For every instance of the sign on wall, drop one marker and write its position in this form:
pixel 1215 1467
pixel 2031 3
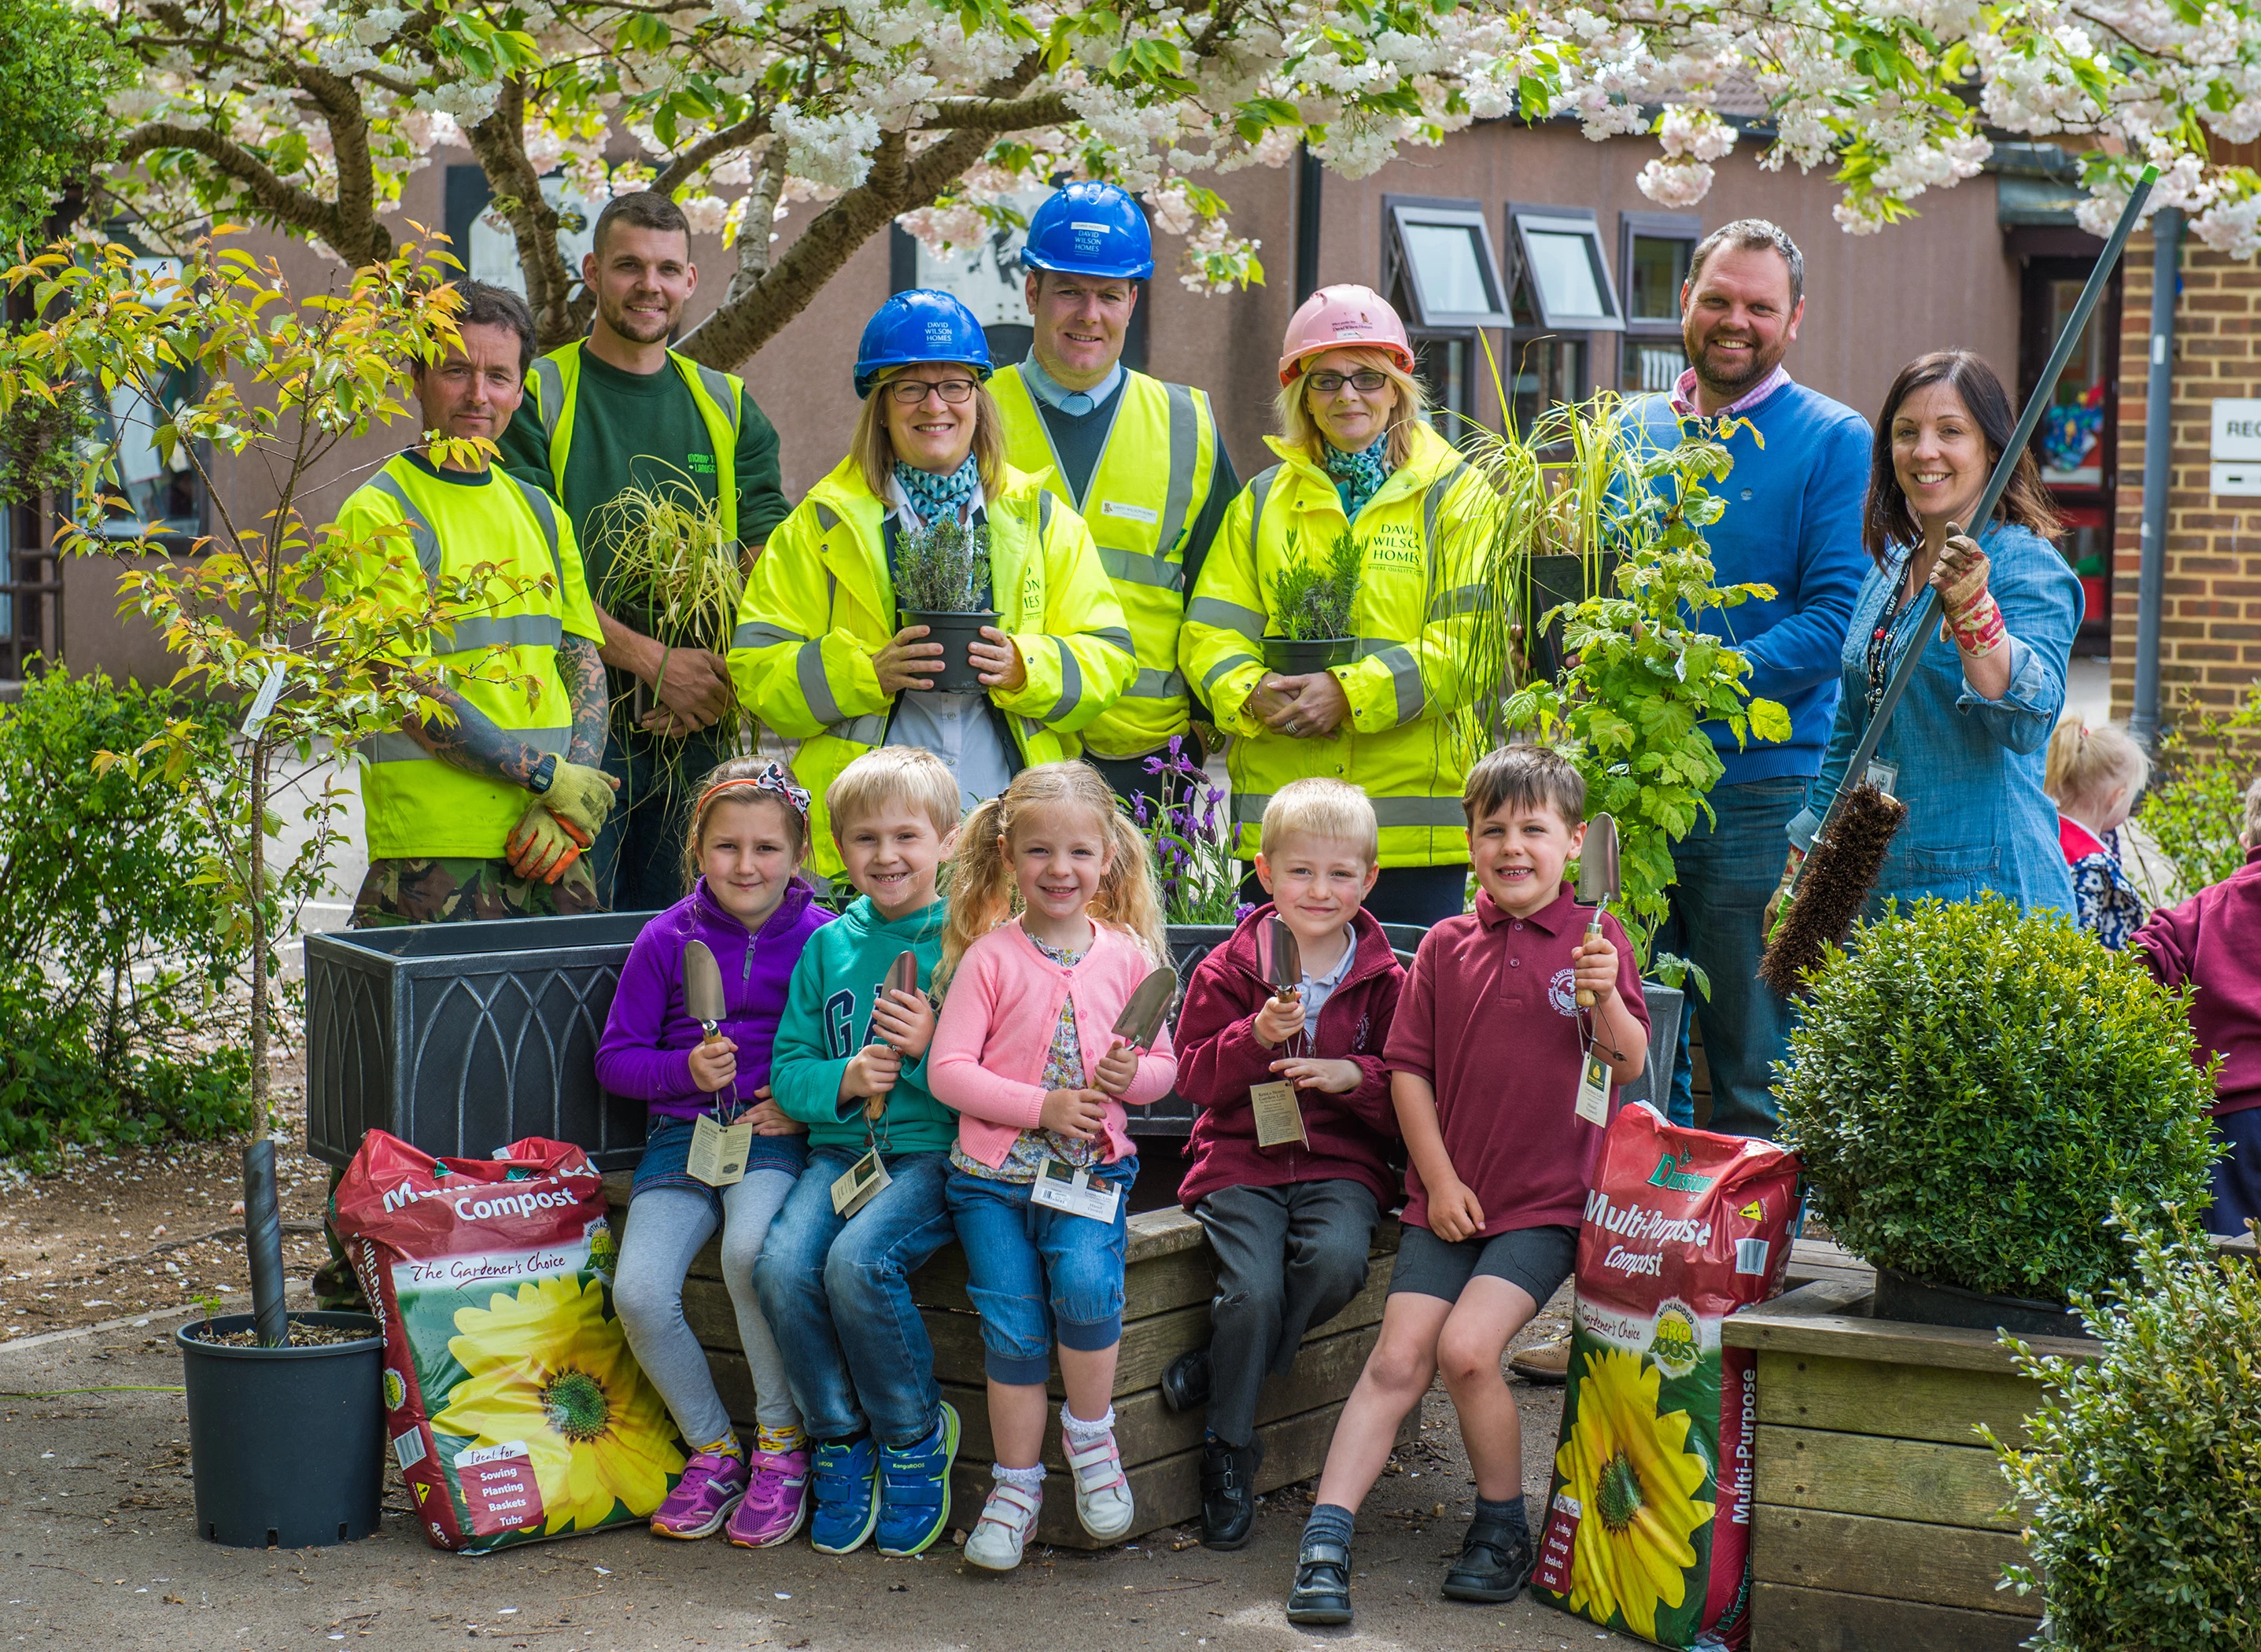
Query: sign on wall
pixel 2237 448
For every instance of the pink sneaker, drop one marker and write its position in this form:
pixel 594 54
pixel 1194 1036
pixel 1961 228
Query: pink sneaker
pixel 776 1501
pixel 711 1487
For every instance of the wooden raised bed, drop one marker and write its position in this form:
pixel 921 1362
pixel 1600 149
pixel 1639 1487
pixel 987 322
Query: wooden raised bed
pixel 1877 1522
pixel 1169 1277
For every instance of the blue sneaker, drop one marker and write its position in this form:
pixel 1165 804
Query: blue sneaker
pixel 914 1500
pixel 847 1495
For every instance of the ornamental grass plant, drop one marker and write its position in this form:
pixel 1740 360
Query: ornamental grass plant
pixel 1972 1087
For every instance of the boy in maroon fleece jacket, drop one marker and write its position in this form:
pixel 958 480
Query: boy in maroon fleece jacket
pixel 2212 941
pixel 1291 1222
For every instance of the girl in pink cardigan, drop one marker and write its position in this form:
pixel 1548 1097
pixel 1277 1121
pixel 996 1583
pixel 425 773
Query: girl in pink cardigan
pixel 1025 1054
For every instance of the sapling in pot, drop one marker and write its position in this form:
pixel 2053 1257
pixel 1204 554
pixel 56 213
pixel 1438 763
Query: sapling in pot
pixel 1312 604
pixel 942 582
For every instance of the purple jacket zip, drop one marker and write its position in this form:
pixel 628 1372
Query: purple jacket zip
pixel 648 1035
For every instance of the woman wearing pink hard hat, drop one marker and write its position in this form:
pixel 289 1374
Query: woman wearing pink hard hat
pixel 1356 457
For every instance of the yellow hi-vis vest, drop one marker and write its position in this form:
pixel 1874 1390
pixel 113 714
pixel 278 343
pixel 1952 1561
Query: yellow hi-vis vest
pixel 1427 536
pixel 417 806
pixel 820 606
pixel 1149 488
pixel 555 383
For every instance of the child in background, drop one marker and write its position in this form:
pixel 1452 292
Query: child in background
pixel 749 904
pixel 2213 942
pixel 1026 1055
pixel 1486 1060
pixel 2096 775
pixel 835 1285
pixel 1291 1224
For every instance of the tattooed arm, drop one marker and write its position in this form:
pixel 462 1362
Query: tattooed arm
pixel 582 669
pixel 470 741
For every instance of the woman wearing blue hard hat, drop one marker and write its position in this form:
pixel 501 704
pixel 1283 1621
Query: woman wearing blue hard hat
pixel 821 651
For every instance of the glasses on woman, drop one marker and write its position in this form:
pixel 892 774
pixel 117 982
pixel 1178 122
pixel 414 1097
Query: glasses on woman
pixel 1365 381
pixel 911 391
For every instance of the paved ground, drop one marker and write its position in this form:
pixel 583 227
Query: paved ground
pixel 96 1523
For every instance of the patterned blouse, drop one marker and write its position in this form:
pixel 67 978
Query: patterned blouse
pixel 2103 902
pixel 1063 1071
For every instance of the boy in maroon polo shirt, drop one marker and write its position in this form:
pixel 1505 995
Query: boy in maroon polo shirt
pixel 1485 1059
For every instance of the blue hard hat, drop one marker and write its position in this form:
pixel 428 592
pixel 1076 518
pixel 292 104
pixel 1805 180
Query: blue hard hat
pixel 919 326
pixel 1090 229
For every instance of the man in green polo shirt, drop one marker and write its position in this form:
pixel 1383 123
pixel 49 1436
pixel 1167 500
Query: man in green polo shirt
pixel 616 410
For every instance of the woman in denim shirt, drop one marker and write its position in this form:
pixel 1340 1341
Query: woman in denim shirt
pixel 1968 738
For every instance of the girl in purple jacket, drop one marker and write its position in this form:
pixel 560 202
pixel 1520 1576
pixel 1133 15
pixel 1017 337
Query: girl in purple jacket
pixel 755 911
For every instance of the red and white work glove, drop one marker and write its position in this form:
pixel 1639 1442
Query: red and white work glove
pixel 1973 619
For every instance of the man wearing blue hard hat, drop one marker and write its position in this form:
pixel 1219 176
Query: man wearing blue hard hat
pixel 1139 458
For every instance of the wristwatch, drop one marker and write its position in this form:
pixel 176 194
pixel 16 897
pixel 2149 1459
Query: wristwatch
pixel 544 772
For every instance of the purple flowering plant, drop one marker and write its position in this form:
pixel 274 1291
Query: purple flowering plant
pixel 1190 839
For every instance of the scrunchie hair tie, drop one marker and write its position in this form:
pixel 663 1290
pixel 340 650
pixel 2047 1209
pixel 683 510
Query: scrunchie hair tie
pixel 771 779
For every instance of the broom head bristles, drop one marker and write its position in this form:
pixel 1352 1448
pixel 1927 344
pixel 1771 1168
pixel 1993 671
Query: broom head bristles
pixel 1833 888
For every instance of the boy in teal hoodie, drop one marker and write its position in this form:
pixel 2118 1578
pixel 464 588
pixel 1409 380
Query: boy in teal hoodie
pixel 850 1062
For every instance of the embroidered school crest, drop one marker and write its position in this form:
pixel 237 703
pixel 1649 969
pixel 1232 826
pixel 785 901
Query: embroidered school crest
pixel 1562 992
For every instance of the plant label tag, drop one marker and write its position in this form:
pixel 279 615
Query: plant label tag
pixel 1593 1103
pixel 1885 777
pixel 859 1184
pixel 1279 1115
pixel 718 1152
pixel 262 705
pixel 1058 1187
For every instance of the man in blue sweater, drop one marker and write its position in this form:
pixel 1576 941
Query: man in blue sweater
pixel 1792 521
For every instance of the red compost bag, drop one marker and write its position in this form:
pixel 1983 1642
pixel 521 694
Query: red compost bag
pixel 514 1408
pixel 1647 1527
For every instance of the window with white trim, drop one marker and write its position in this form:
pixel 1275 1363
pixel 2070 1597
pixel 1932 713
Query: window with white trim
pixel 1440 274
pixel 1653 250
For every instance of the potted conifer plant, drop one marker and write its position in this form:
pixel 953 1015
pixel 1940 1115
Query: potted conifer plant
pixel 1312 604
pixel 942 582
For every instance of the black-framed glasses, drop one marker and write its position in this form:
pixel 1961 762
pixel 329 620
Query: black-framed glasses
pixel 1365 381
pixel 911 391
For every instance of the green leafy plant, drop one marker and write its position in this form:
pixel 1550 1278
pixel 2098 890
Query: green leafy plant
pixel 1191 841
pixel 1973 1087
pixel 942 568
pixel 2143 1480
pixel 59 65
pixel 41 444
pixel 2196 803
pixel 1311 601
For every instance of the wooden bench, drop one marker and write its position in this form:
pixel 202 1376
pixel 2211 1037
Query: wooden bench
pixel 1169 1277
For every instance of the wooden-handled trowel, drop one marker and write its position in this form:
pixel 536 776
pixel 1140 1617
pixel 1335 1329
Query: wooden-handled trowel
pixel 1600 882
pixel 903 976
pixel 702 994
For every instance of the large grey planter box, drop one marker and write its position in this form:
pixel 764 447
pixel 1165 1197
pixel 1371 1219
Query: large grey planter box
pixel 460 1037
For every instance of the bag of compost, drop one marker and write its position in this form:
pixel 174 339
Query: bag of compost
pixel 515 1411
pixel 1648 1527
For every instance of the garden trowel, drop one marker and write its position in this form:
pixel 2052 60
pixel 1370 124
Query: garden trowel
pixel 1599 881
pixel 903 976
pixel 702 987
pixel 1281 958
pixel 1140 1023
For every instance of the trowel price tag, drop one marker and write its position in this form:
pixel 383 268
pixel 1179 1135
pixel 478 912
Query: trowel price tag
pixel 1279 1115
pixel 859 1184
pixel 1058 1187
pixel 718 1152
pixel 1594 1091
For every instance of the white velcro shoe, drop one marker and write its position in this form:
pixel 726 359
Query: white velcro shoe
pixel 1102 1495
pixel 1002 1531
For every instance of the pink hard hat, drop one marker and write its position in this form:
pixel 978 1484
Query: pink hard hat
pixel 1334 318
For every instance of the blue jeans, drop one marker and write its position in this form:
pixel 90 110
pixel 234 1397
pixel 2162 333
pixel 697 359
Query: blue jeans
pixel 837 1298
pixel 1726 873
pixel 1032 1268
pixel 639 854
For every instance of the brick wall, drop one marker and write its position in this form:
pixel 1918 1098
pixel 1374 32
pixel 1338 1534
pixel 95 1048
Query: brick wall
pixel 2210 628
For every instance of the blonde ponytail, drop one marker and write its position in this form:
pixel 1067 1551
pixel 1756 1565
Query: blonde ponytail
pixel 980 886
pixel 1127 899
pixel 2084 764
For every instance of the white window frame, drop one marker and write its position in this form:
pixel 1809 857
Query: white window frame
pixel 1404 211
pixel 1524 217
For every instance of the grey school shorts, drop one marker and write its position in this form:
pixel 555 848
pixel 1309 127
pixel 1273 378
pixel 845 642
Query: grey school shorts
pixel 1537 1259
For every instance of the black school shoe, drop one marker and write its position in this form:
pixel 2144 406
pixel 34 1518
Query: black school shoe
pixel 1228 1486
pixel 1322 1590
pixel 1494 1563
pixel 1185 1383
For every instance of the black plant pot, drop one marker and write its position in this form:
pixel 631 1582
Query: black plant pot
pixel 1556 580
pixel 1909 1297
pixel 955 632
pixel 1292 658
pixel 286 1444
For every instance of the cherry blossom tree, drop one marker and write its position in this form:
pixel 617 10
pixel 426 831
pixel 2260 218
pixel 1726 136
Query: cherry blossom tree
pixel 306 114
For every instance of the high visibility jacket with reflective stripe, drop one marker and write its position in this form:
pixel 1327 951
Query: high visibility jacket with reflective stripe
pixel 1149 488
pixel 820 606
pixel 555 384
pixel 417 806
pixel 1427 536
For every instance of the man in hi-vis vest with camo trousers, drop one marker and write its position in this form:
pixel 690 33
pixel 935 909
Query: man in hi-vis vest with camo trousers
pixel 1139 459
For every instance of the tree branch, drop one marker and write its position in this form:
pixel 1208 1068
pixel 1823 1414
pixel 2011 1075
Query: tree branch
pixel 500 143
pixel 679 171
pixel 1003 114
pixel 285 204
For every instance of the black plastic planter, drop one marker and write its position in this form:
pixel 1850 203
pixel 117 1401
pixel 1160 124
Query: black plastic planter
pixel 956 632
pixel 1555 580
pixel 1910 1297
pixel 1293 658
pixel 286 1444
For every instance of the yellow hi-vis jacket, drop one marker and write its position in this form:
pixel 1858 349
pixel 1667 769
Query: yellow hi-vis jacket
pixel 554 384
pixel 1426 535
pixel 1146 494
pixel 416 807
pixel 820 606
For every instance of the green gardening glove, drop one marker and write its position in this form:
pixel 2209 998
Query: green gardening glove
pixel 541 847
pixel 581 797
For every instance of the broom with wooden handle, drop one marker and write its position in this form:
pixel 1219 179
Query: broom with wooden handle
pixel 1832 885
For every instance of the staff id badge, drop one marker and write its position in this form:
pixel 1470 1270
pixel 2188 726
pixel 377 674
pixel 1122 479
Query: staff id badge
pixel 1279 1115
pixel 1059 1187
pixel 859 1184
pixel 1594 1091
pixel 718 1152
